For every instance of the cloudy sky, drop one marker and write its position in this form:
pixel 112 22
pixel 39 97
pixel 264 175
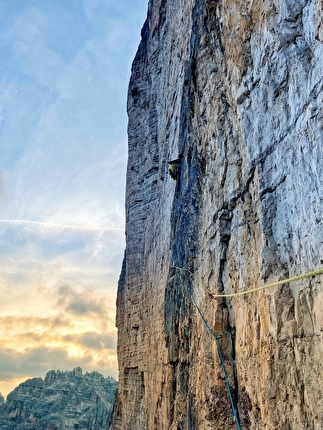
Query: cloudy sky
pixel 64 70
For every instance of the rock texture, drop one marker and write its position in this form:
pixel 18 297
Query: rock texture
pixel 234 90
pixel 62 401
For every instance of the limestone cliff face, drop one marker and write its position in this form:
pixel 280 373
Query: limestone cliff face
pixel 234 90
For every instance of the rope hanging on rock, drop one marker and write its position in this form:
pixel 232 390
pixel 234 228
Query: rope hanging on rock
pixel 217 340
pixel 240 293
pixel 263 287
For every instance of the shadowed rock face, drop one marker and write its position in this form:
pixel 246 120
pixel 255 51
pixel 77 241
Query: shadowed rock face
pixel 234 90
pixel 63 400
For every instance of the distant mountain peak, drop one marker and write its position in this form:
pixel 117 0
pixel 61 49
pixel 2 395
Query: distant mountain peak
pixel 62 400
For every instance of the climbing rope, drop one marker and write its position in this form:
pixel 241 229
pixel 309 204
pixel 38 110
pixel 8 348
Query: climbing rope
pixel 217 340
pixel 264 287
pixel 240 293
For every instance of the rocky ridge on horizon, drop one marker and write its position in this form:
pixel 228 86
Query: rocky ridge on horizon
pixel 61 401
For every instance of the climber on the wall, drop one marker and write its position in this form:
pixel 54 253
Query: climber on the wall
pixel 174 168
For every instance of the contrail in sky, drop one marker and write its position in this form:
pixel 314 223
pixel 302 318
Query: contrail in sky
pixel 51 225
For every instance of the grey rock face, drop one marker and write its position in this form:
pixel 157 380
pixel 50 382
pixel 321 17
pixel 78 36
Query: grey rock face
pixel 63 400
pixel 234 90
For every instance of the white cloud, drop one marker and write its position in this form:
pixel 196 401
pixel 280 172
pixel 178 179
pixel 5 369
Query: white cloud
pixel 27 38
pixel 68 327
pixel 81 303
pixel 37 361
pixel 70 150
pixel 94 340
pixel 37 261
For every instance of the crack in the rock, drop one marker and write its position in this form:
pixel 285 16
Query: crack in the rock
pixel 235 373
pixel 272 188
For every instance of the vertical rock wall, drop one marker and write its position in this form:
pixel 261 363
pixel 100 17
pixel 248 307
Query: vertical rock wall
pixel 234 90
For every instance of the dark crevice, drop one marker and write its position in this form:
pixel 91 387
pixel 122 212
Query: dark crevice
pixel 235 389
pixel 272 188
pixel 232 203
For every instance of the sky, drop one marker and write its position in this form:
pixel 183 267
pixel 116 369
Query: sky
pixel 64 72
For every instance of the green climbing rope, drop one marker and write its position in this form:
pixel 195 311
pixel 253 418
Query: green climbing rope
pixel 240 293
pixel 274 284
pixel 264 287
pixel 217 340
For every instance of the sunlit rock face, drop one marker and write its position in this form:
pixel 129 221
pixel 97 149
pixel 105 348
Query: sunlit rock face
pixel 62 401
pixel 234 90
